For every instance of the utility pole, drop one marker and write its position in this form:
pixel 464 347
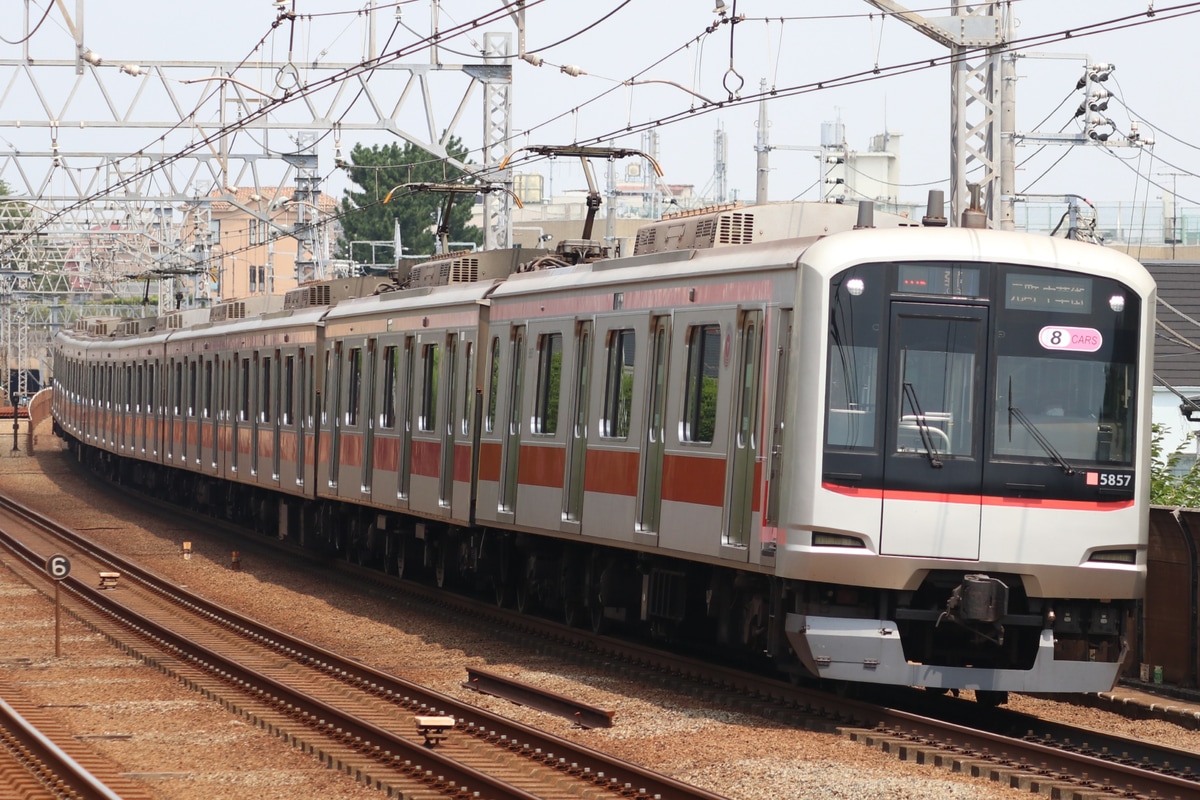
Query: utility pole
pixel 762 147
pixel 983 82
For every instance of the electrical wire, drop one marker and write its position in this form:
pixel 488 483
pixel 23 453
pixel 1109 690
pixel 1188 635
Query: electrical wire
pixel 28 36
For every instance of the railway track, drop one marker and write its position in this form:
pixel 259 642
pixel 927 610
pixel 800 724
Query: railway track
pixel 1017 751
pixel 391 734
pixel 39 760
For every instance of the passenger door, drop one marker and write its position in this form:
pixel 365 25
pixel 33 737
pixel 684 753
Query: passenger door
pixel 933 467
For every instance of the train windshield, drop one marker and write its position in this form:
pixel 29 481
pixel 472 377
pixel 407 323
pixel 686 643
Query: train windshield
pixel 962 365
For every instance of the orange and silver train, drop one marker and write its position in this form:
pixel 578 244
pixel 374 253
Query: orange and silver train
pixel 874 452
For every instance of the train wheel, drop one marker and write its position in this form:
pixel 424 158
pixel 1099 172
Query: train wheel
pixel 571 586
pixel 593 594
pixel 440 573
pixel 990 699
pixel 523 597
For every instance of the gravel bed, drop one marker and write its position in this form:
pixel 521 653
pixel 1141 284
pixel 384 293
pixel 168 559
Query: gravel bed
pixel 187 748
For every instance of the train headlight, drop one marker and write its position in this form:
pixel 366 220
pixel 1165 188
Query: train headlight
pixel 1115 556
pixel 820 539
pixel 1117 303
pixel 855 286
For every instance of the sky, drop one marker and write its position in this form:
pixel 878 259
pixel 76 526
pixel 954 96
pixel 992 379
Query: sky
pixel 680 68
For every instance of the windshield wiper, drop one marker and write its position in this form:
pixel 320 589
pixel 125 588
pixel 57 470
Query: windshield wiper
pixel 1037 435
pixel 910 394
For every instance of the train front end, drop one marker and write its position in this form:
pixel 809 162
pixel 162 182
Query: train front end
pixel 970 509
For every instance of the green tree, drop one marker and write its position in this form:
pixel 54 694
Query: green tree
pixel 1170 486
pixel 375 171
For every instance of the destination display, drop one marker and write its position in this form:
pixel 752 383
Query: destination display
pixel 943 279
pixel 1049 293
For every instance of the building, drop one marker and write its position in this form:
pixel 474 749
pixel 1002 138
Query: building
pixel 263 245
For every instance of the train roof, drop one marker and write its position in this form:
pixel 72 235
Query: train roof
pixel 836 252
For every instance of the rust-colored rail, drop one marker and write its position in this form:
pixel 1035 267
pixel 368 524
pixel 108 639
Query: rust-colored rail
pixel 445 767
pixel 584 715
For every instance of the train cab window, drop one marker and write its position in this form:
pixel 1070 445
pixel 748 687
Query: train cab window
pixel 391 366
pixel 701 384
pixel 1066 370
pixel 489 422
pixel 549 383
pixel 855 338
pixel 289 390
pixel 618 385
pixel 430 356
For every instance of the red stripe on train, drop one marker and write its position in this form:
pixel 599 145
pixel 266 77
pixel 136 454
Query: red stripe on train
pixel 976 499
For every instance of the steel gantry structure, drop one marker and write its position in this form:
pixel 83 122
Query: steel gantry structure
pixel 124 157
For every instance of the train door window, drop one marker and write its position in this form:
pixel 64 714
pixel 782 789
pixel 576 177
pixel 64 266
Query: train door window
pixel 618 385
pixel 244 391
pixel 391 363
pixel 512 439
pixel 701 384
pixel 577 443
pixel 446 472
pixel 493 386
pixel 368 415
pixel 430 356
pixel 193 389
pixel 206 407
pixel 468 390
pixel 128 389
pixel 775 474
pixel 650 504
pixel 334 396
pixel 289 390
pixel 745 452
pixel 177 400
pixel 354 390
pixel 408 368
pixel 549 384
pixel 140 398
pixel 303 381
pixel 264 388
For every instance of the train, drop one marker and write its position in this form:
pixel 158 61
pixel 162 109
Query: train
pixel 854 446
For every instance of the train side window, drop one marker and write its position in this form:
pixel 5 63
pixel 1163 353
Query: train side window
pixel 493 386
pixel 618 385
pixel 391 363
pixel 549 383
pixel 354 392
pixel 289 390
pixel 430 355
pixel 701 384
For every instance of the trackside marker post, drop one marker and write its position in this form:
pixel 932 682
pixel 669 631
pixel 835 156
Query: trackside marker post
pixel 58 567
